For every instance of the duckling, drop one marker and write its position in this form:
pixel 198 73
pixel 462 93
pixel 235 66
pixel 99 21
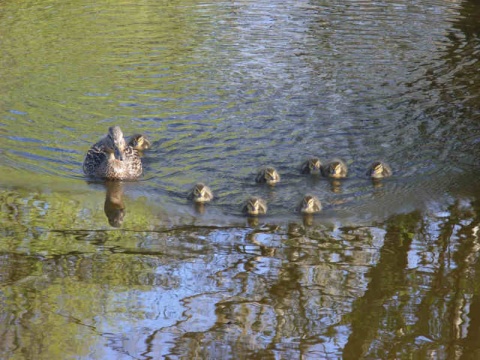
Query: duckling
pixel 311 166
pixel 268 175
pixel 310 205
pixel 336 169
pixel 200 193
pixel 111 158
pixel 255 206
pixel 139 142
pixel 379 170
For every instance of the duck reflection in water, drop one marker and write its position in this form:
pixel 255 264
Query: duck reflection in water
pixel 307 220
pixel 336 186
pixel 114 207
pixel 253 221
pixel 377 183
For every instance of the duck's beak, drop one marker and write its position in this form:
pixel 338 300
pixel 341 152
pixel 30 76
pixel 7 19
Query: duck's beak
pixel 118 154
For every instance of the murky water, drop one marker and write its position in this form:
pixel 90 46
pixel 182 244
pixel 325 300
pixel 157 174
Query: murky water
pixel 133 270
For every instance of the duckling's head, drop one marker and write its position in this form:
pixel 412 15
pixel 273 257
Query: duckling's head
pixel 201 193
pixel 255 206
pixel 337 169
pixel 139 142
pixel 379 170
pixel 268 175
pixel 310 204
pixel 376 169
pixel 314 165
pixel 115 142
pixel 271 175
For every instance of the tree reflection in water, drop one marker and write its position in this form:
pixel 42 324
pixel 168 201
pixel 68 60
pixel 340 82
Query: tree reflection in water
pixel 394 289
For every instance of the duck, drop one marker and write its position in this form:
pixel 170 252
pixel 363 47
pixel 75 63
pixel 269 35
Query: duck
pixel 310 205
pixel 255 206
pixel 379 170
pixel 200 193
pixel 269 175
pixel 112 159
pixel 139 142
pixel 336 169
pixel 311 166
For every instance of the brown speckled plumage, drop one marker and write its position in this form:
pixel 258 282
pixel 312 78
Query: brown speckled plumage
pixel 111 158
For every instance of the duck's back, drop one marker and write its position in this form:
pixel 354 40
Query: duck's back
pixel 98 163
pixel 96 156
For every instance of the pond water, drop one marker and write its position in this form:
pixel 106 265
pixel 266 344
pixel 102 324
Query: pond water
pixel 92 270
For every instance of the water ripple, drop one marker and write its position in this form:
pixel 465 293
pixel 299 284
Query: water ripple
pixel 222 89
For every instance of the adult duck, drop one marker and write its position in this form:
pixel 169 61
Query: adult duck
pixel 111 158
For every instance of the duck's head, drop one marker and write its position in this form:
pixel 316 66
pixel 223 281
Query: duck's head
pixel 115 142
